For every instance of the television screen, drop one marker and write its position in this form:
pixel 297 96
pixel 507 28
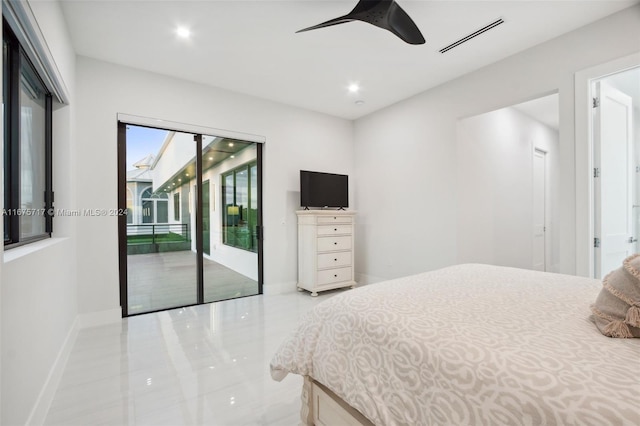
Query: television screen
pixel 323 189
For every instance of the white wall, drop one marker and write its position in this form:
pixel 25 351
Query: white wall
pixel 177 152
pixel 406 153
pixel 495 189
pixel 295 139
pixel 405 191
pixel 38 281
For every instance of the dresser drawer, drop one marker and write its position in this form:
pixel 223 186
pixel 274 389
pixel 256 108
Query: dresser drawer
pixel 331 276
pixel 334 219
pixel 332 260
pixel 334 243
pixel 334 229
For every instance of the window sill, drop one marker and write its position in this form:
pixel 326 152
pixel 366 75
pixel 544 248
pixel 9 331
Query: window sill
pixel 27 249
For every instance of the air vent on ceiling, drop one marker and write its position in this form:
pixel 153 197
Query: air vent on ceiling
pixel 472 35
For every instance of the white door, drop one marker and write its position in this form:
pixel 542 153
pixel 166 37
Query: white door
pixel 613 176
pixel 539 208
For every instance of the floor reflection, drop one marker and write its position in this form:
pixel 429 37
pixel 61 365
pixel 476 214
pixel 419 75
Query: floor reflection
pixel 206 364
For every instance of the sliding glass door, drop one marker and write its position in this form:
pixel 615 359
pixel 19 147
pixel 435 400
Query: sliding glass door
pixel 231 263
pixel 174 240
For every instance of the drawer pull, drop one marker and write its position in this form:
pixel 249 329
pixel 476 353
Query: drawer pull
pixel 330 277
pixel 335 229
pixel 335 260
pixel 335 244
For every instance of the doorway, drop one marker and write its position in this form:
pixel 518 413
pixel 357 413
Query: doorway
pixel 508 179
pixel 172 253
pixel 616 143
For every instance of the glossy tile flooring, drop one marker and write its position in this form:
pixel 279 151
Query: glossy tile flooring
pixel 206 364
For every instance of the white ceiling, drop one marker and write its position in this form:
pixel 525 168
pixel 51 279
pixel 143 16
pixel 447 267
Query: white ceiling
pixel 251 46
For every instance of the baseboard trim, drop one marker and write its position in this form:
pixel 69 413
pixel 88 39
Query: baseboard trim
pixel 45 398
pixel 364 279
pixel 279 288
pixel 95 319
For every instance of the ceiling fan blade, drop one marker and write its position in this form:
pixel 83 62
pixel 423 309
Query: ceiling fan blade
pixel 336 21
pixel 385 14
pixel 403 26
pixel 365 6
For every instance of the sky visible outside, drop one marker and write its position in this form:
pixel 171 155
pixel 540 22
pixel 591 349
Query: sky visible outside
pixel 142 141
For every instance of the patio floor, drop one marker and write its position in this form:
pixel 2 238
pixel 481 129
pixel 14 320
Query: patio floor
pixel 166 280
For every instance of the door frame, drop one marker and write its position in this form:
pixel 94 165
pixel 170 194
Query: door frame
pixel 545 199
pixel 600 88
pixel 584 208
pixel 198 131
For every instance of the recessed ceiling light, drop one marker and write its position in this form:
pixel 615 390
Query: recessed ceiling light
pixel 353 88
pixel 230 143
pixel 183 32
pixel 233 156
pixel 210 158
pixel 359 102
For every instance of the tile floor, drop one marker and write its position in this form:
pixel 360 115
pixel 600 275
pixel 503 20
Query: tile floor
pixel 206 364
pixel 166 280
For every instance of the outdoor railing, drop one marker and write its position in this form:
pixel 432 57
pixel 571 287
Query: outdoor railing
pixel 158 232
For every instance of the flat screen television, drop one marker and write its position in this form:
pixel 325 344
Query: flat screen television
pixel 323 189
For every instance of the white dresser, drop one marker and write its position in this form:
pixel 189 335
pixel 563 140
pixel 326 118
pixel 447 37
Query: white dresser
pixel 325 250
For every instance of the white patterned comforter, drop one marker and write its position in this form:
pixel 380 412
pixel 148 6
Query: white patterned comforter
pixel 469 345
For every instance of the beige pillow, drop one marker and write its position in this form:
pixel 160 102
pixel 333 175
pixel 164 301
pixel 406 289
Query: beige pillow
pixel 617 308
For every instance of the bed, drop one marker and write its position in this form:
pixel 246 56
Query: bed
pixel 464 345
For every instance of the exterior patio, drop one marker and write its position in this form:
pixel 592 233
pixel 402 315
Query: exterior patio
pixel 161 219
pixel 166 280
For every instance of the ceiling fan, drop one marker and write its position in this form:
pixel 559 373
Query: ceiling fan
pixel 386 14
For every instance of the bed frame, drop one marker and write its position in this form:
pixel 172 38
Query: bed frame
pixel 321 407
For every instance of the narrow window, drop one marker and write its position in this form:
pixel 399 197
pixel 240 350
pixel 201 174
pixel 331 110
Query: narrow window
pixel 148 211
pixel 176 207
pixel 28 198
pixel 239 216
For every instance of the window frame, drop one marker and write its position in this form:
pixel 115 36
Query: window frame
pixel 154 199
pixel 15 54
pixel 176 207
pixel 251 227
pixel 130 206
